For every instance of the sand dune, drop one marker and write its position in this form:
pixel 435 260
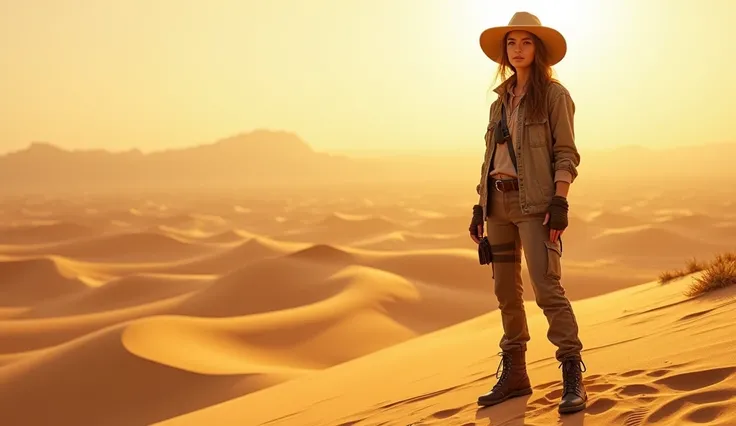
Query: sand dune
pixel 221 262
pixel 105 381
pixel 287 338
pixel 441 224
pixel 641 245
pixel 403 240
pixel 128 247
pixel 44 232
pixel 250 289
pixel 28 281
pixel 10 312
pixel 436 378
pixel 454 268
pixel 129 291
pixel 191 221
pixel 23 335
pixel 123 217
pixel 173 304
pixel 324 253
pixel 724 230
pixel 609 219
pixel 270 348
pixel 229 236
pixel 686 220
pixel 338 228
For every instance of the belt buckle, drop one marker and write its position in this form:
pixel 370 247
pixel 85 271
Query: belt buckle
pixel 498 184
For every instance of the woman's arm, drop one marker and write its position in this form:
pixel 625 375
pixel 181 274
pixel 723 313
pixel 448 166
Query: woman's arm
pixel 562 188
pixel 565 155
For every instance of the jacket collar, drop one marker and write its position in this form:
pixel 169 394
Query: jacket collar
pixel 503 88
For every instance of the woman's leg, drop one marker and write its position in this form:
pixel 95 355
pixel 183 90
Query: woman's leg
pixel 506 250
pixel 543 259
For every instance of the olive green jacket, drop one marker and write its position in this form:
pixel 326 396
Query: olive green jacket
pixel 545 149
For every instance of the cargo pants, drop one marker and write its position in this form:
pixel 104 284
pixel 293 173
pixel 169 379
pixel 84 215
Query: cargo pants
pixel 509 230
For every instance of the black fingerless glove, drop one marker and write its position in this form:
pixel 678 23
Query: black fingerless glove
pixel 558 208
pixel 477 219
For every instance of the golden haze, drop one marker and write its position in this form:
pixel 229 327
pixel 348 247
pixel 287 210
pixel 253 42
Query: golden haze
pixel 161 265
pixel 349 76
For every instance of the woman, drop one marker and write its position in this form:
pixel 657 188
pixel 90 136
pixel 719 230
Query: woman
pixel 530 161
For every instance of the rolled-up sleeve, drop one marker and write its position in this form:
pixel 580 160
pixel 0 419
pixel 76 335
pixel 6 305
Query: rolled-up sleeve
pixel 566 157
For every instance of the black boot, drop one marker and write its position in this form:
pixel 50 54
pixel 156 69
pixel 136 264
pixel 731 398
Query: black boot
pixel 512 382
pixel 574 396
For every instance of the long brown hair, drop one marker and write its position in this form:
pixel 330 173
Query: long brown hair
pixel 540 77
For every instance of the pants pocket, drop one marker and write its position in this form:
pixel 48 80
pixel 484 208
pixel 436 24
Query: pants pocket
pixel 554 255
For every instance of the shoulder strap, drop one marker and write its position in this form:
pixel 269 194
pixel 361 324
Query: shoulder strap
pixel 507 135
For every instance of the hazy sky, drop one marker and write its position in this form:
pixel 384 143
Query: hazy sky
pixel 350 75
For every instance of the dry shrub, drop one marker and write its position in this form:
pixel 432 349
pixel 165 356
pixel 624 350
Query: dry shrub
pixel 693 265
pixel 720 273
pixel 668 276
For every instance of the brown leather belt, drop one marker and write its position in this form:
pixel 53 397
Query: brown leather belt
pixel 505 185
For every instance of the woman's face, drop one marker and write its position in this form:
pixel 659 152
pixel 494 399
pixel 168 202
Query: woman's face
pixel 520 49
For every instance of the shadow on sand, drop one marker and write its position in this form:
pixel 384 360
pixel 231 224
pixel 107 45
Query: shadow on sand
pixel 514 412
pixel 508 413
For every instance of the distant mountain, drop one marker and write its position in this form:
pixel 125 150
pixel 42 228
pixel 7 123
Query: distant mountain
pixel 248 159
pixel 264 158
pixel 259 159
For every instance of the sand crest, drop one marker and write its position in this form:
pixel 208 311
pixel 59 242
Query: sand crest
pixel 357 311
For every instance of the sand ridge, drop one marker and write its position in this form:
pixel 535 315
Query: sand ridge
pixel 245 302
pixel 675 384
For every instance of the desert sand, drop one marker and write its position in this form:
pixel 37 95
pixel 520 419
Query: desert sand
pixel 346 308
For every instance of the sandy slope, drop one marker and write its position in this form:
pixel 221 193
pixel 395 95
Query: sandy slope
pixel 29 281
pixel 44 232
pixel 175 304
pixel 120 293
pixel 652 356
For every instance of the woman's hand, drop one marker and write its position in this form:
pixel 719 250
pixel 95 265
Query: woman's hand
pixel 556 217
pixel 476 224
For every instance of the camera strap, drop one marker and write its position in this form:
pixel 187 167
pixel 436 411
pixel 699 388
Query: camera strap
pixel 507 135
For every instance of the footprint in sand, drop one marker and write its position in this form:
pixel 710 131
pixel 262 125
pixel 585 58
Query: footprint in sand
pixel 659 373
pixel 644 397
pixel 708 414
pixel 632 373
pixel 714 399
pixel 601 405
pixel 634 417
pixel 696 379
pixel 634 398
pixel 637 390
pixel 444 414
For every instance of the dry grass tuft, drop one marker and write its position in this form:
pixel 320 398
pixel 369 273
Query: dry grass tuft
pixel 693 265
pixel 667 276
pixel 720 273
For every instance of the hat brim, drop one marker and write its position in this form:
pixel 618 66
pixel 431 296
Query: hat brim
pixel 491 41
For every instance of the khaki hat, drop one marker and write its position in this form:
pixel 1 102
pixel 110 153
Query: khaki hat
pixel 492 38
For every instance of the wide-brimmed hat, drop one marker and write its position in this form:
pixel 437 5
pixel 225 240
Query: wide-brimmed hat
pixel 491 40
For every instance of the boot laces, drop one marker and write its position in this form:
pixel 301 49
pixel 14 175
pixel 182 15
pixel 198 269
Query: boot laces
pixel 572 370
pixel 504 367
